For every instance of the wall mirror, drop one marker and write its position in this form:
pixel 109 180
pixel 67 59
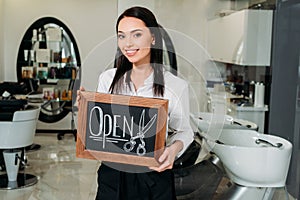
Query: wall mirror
pixel 48 61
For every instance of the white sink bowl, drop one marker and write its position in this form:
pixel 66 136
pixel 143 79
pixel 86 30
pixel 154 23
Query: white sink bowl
pixel 205 121
pixel 250 164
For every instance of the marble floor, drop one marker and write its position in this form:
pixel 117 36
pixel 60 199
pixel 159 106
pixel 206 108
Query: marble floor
pixel 62 176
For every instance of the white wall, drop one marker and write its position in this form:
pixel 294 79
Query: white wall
pixel 186 22
pixel 93 26
pixel 90 22
pixel 124 4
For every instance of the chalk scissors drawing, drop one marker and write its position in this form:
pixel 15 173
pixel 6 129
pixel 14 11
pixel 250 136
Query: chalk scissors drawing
pixel 141 150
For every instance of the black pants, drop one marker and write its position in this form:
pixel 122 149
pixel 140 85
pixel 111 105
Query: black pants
pixel 118 185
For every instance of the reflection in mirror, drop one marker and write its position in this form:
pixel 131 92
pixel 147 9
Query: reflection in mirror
pixel 48 62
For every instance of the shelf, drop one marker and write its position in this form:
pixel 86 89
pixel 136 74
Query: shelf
pixel 58 54
pixel 36 41
pixel 29 63
pixel 51 73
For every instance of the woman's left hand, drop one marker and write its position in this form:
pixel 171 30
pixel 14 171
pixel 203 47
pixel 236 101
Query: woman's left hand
pixel 166 160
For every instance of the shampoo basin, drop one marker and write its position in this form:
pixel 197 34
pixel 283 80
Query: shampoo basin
pixel 253 159
pixel 205 120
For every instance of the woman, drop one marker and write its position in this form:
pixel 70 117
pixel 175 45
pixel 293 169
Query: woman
pixel 139 71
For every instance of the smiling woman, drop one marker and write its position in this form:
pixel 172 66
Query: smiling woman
pixel 134 40
pixel 139 71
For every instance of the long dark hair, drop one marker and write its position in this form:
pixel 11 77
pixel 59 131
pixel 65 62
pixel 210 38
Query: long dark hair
pixel 156 59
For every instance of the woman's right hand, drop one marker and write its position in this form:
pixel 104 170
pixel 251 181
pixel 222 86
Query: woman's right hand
pixel 81 89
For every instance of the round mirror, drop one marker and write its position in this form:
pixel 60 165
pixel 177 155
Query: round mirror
pixel 48 62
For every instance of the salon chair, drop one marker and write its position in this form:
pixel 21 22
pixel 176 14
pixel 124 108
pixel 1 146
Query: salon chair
pixel 16 134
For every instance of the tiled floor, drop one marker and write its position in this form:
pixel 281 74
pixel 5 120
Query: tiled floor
pixel 62 176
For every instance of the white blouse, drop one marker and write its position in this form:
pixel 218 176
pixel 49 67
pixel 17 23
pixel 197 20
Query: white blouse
pixel 176 91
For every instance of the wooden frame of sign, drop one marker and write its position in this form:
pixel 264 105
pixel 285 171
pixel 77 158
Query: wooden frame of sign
pixel 120 128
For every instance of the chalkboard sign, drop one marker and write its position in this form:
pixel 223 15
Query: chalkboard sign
pixel 120 128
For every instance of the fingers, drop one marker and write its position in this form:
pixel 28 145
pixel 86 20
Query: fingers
pixel 78 98
pixel 166 161
pixel 167 158
pixel 164 156
pixel 81 88
pixel 162 167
